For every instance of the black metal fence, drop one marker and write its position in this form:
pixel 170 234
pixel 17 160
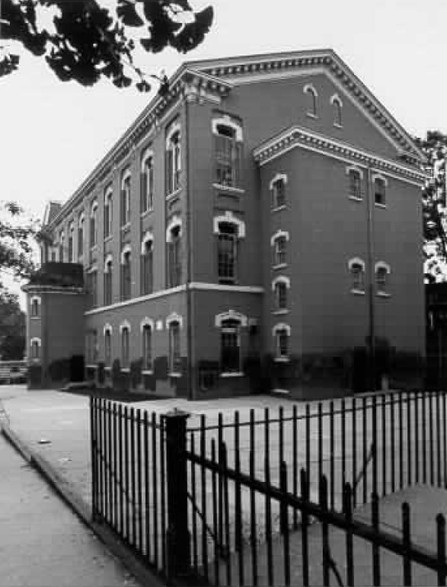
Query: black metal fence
pixel 270 499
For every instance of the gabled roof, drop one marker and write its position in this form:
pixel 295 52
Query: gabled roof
pixel 251 68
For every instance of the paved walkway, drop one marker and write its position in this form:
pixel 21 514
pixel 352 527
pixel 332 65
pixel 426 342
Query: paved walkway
pixel 42 543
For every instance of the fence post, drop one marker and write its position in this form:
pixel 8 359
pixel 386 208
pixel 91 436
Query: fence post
pixel 177 536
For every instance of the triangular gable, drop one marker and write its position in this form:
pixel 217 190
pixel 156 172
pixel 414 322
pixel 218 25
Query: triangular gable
pixel 253 68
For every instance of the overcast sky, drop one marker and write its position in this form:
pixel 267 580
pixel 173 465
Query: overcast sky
pixel 53 133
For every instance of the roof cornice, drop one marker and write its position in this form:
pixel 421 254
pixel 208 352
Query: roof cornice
pixel 240 67
pixel 297 136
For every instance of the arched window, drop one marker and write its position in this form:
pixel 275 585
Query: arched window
pixel 71 235
pixel 173 237
pixel 175 360
pixel 126 273
pixel 355 177
pixel 337 106
pixel 147 182
pixel 108 280
pixel 279 244
pixel 380 185
pixel 278 190
pixel 147 327
pixel 312 96
pixel 61 247
pixel 357 272
pixel 230 346
pixel 35 307
pixel 227 152
pixel 226 252
pixel 280 290
pixel 125 353
pixel 382 271
pixel 173 159
pixel 81 222
pixel 108 210
pixel 281 333
pixel 35 344
pixel 147 257
pixel 125 198
pixel 94 224
pixel 107 345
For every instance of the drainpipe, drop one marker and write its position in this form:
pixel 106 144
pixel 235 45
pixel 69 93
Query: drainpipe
pixel 371 280
pixel 188 231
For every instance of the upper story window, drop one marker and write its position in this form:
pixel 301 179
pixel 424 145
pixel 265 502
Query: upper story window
pixel 126 274
pixel 147 262
pixel 35 344
pixel 147 327
pixel 278 190
pixel 147 182
pixel 281 333
pixel 173 323
pixel 61 247
pixel 357 272
pixel 81 223
pixel 382 271
pixel 108 280
pixel 173 159
pixel 107 345
pixel 380 185
pixel 312 96
pixel 355 177
pixel 280 287
pixel 125 352
pixel 227 152
pixel 337 106
pixel 229 229
pixel 108 211
pixel 71 231
pixel 174 240
pixel 94 224
pixel 35 306
pixel 279 243
pixel 125 198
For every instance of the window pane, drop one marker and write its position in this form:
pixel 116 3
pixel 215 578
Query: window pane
pixel 355 186
pixel 227 159
pixel 147 347
pixel 230 351
pixel 174 348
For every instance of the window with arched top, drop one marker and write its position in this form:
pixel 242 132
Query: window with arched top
pixel 35 307
pixel 146 344
pixel 126 273
pixel 312 96
pixel 61 247
pixel 337 109
pixel 357 272
pixel 173 160
pixel 382 271
pixel 125 351
pixel 71 235
pixel 147 182
pixel 175 359
pixel 94 224
pixel 108 280
pixel 174 248
pixel 230 346
pixel 227 152
pixel 355 177
pixel 281 334
pixel 107 345
pixel 279 244
pixel 108 211
pixel 81 222
pixel 281 294
pixel 147 262
pixel 380 185
pixel 278 190
pixel 35 344
pixel 125 197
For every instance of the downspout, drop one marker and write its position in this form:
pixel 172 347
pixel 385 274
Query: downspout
pixel 189 309
pixel 371 284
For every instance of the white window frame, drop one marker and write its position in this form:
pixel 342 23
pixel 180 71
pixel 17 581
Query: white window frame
pixel 174 162
pixel 279 177
pixel 351 263
pixel 382 289
pixel 337 102
pixel 125 196
pixel 273 241
pixel 276 330
pixel 38 342
pixel 147 184
pixel 108 205
pixel 309 89
pixel 38 301
pixel 93 233
pixel 379 177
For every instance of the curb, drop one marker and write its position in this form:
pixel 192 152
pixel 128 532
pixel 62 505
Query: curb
pixel 123 553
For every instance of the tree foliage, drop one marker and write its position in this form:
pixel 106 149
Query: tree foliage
pixel 434 202
pixel 84 41
pixel 12 327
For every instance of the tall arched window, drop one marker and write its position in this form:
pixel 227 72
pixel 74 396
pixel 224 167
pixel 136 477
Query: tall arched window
pixel 312 96
pixel 357 272
pixel 108 280
pixel 175 360
pixel 71 234
pixel 278 190
pixel 125 338
pixel 81 222
pixel 228 152
pixel 147 327
pixel 107 345
pixel 94 224
pixel 147 182
pixel 126 273
pixel 147 258
pixel 337 106
pixel 108 210
pixel 382 270
pixel 281 333
pixel 355 177
pixel 61 247
pixel 228 230
pixel 173 159
pixel 173 238
pixel 279 244
pixel 380 184
pixel 125 198
pixel 280 292
pixel 35 344
pixel 35 307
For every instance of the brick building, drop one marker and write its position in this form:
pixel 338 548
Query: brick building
pixel 257 228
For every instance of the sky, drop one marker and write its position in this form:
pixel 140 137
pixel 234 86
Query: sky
pixel 53 133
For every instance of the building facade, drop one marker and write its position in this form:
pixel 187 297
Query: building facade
pixel 257 228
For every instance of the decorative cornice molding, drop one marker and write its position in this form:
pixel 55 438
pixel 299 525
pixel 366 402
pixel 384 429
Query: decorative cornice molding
pixel 300 137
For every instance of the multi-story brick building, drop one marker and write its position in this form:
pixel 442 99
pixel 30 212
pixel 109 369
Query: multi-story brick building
pixel 257 227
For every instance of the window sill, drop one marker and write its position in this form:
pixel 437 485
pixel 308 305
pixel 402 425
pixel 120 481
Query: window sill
pixel 173 194
pixel 107 368
pixel 228 188
pixel 35 317
pixel 94 248
pixel 281 360
pixel 125 226
pixel 147 212
pixel 337 125
pixel 383 294
pixel 312 115
pixel 358 292
pixel 125 370
pixel 147 372
pixel 279 208
pixel 281 311
pixel 280 266
pixel 91 366
pixel 175 374
pixel 355 199
pixel 378 205
pixel 232 374
pixel 108 238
